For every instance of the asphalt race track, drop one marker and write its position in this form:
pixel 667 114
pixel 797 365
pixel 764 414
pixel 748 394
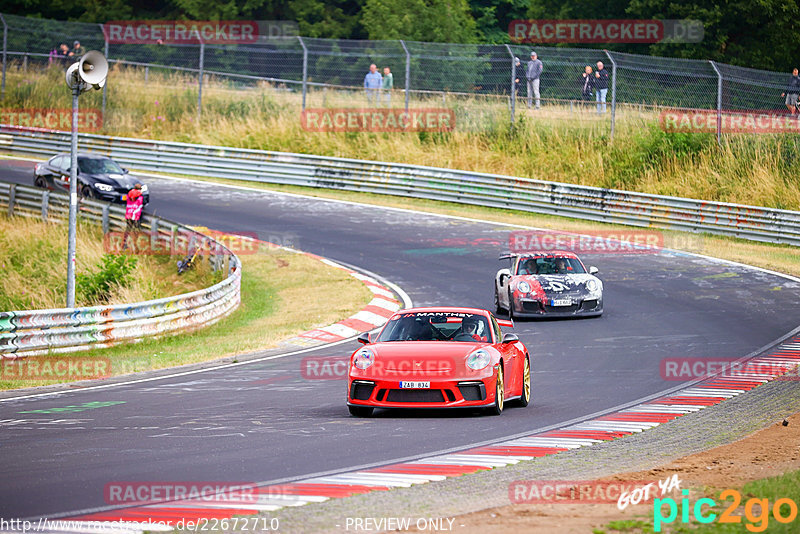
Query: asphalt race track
pixel 264 422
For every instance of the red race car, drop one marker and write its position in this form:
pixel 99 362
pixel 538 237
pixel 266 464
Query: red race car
pixel 439 358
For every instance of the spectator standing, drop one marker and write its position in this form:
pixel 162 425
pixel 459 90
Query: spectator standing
pixel 601 86
pixel 372 84
pixel 792 90
pixel 64 53
pixel 388 85
pixel 77 50
pixel 533 74
pixel 517 75
pixel 587 84
pixel 133 212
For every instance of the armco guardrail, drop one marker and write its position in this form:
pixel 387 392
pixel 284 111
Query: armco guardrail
pixel 32 332
pixel 527 194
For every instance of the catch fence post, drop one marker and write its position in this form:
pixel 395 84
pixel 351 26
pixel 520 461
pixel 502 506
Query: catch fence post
pixel 408 70
pixel 719 102
pixel 305 71
pixel 513 85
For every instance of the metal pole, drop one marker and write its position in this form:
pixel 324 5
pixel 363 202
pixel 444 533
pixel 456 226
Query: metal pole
pixel 719 102
pixel 408 71
pixel 513 85
pixel 613 92
pixel 105 52
pixel 5 53
pixel 305 70
pixel 73 200
pixel 200 80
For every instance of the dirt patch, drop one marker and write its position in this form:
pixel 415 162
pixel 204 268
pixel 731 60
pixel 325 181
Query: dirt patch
pixel 769 452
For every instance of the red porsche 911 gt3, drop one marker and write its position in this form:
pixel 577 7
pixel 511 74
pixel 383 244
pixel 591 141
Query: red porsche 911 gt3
pixel 439 358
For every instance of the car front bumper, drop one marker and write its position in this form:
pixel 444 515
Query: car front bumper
pixel 116 196
pixel 584 307
pixel 451 393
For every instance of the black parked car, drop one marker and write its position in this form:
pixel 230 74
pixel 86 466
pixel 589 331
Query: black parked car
pixel 99 177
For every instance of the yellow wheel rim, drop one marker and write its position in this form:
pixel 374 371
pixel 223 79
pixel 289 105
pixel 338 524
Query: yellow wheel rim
pixel 526 380
pixel 499 398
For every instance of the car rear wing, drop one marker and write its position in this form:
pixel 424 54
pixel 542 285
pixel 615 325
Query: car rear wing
pixel 508 323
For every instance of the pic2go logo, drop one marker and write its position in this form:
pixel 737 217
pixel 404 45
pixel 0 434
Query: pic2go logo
pixel 756 511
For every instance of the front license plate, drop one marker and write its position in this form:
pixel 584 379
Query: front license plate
pixel 415 385
pixel 561 302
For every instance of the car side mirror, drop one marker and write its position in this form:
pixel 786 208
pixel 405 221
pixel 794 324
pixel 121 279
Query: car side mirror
pixel 364 338
pixel 593 269
pixel 504 275
pixel 124 170
pixel 510 338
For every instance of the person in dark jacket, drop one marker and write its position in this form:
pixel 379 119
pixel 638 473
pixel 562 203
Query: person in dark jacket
pixel 792 90
pixel 587 84
pixel 518 71
pixel 601 86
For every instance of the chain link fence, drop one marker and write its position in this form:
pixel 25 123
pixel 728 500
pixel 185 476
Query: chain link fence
pixel 331 71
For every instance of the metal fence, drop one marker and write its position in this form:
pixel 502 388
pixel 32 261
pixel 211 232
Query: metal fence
pixel 480 189
pixel 302 64
pixel 33 332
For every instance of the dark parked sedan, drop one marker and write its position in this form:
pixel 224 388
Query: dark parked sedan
pixel 99 177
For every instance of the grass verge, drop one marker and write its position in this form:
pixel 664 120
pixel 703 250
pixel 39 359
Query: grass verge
pixel 33 261
pixel 277 302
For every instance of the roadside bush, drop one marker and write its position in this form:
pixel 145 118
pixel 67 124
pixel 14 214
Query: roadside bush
pixel 114 272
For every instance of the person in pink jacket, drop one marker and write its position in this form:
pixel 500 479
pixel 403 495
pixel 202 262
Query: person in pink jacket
pixel 133 212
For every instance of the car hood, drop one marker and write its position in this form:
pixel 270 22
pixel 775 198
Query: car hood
pixel 118 181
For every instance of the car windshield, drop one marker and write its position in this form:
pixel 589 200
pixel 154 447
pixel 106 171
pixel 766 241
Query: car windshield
pixel 437 326
pixel 99 166
pixel 550 265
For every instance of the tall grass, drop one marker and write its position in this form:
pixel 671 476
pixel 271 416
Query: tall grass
pixel 561 143
pixel 33 262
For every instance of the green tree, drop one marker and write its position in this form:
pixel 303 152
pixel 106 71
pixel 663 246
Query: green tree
pixel 761 34
pixel 493 16
pixel 438 21
pixel 336 19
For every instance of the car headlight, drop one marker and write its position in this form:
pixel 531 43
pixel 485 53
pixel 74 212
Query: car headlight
pixel 592 285
pixel 478 359
pixel 524 287
pixel 104 187
pixel 364 358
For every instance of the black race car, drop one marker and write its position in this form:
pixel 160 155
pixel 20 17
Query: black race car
pixel 99 177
